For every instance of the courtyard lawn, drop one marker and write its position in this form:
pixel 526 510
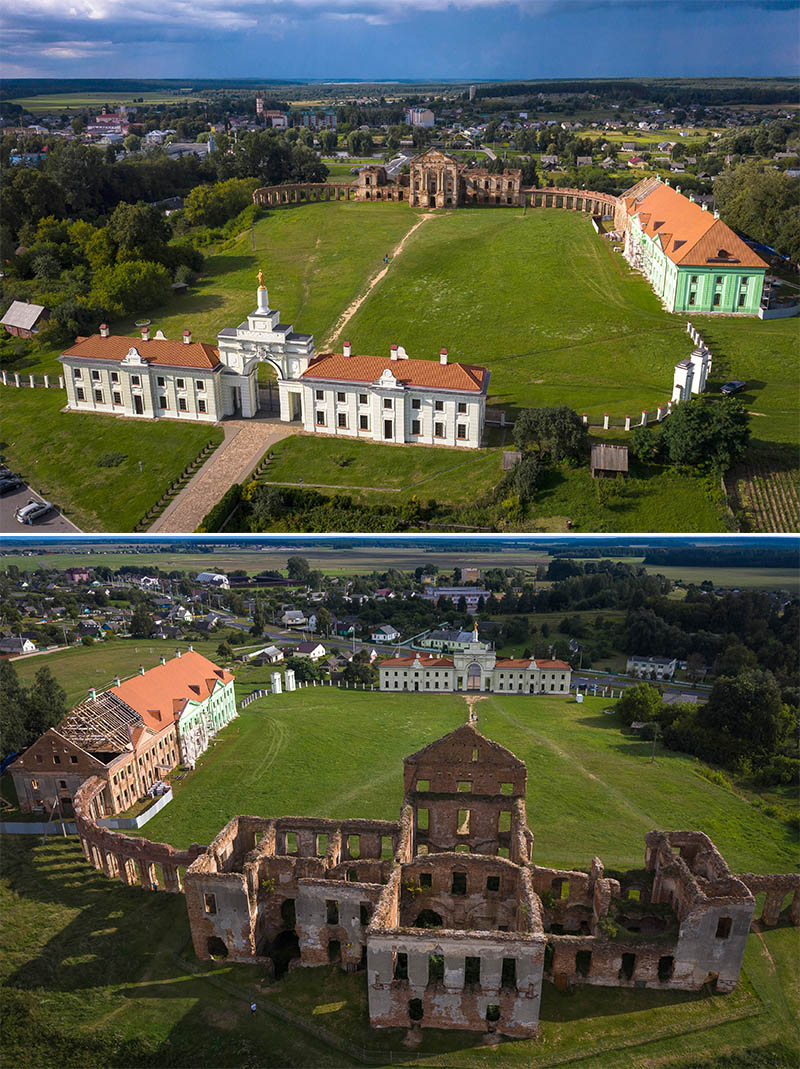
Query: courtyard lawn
pixel 453 475
pixel 558 317
pixel 58 453
pixel 591 790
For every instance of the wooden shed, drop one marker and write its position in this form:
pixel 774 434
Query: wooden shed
pixel 609 461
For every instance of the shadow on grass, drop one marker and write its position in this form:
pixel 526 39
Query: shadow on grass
pixel 587 1001
pixel 223 264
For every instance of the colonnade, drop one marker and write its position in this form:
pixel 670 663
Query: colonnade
pixel 305 193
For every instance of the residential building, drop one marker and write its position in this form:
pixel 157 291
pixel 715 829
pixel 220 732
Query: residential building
pixel 294 618
pixel 17 645
pixel 384 633
pixel 651 667
pixel 420 117
pixel 215 579
pixel 77 575
pixel 692 259
pixel 314 651
pixel 23 319
pixel 471 594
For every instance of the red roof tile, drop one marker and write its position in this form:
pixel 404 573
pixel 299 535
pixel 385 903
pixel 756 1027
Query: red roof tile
pixel 552 664
pixel 426 660
pixel 156 351
pixel 427 373
pixel 159 695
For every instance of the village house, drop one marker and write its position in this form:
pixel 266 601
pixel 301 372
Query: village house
pixel 294 618
pixel 651 667
pixel 23 319
pixel 471 594
pixel 314 651
pixel 17 645
pixel 384 633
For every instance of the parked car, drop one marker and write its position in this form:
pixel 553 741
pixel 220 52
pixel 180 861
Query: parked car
pixel 733 386
pixel 9 483
pixel 33 511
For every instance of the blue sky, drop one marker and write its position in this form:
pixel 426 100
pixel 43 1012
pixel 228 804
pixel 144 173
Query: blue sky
pixel 385 39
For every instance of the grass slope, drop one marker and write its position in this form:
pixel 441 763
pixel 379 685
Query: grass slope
pixel 591 790
pixel 57 452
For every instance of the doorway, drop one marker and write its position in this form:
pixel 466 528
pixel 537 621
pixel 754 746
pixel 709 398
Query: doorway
pixel 431 202
pixel 474 677
pixel 138 405
pixel 387 429
pixel 295 407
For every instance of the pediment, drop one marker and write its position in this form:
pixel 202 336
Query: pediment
pixel 133 356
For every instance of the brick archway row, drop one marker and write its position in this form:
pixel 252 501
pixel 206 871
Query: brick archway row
pixel 123 857
pixel 578 200
pixel 303 193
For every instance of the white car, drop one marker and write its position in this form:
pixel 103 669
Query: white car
pixel 33 511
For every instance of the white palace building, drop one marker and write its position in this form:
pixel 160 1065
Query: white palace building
pixel 475 667
pixel 381 399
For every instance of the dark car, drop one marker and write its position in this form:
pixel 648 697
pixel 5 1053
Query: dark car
pixel 733 386
pixel 10 483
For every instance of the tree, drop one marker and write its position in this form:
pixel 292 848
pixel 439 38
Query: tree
pixel 132 286
pixel 361 670
pixel 703 431
pixel 557 433
pixel 132 143
pixel 13 733
pixel 142 625
pixel 305 670
pixel 639 703
pixel 526 476
pixel 139 231
pixel 745 712
pixel 645 445
pixel 45 703
pixel 215 204
pixel 298 569
pixel 323 621
pixel 257 628
pixel 225 651
pixel 757 199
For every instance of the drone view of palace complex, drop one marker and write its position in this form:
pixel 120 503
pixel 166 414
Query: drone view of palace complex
pixel 446 909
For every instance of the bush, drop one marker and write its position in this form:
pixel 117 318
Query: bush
pixel 214 520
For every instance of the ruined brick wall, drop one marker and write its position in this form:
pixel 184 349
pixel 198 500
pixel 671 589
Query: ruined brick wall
pixel 332 920
pixel 777 889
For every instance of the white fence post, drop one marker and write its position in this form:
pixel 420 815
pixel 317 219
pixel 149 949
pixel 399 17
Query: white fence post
pixel 644 417
pixel 627 423
pixel 605 422
pixel 47 382
pixel 61 382
pixel 30 380
pixel 16 379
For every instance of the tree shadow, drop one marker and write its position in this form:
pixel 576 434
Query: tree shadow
pixel 585 1002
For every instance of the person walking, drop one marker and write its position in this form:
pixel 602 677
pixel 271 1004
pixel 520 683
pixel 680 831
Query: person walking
pixel 253 1007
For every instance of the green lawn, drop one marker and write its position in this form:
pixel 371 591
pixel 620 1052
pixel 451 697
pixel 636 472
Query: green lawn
pixel 540 299
pixel 57 452
pixel 591 789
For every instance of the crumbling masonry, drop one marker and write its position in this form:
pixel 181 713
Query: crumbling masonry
pixel 444 909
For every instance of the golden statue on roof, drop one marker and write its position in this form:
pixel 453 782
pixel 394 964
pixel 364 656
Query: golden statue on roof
pixel 261 285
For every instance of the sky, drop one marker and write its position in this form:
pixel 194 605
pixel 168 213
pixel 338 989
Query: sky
pixel 405 39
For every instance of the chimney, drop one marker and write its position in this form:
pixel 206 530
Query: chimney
pixel 191 648
pixel 92 693
pixel 163 659
pixel 704 206
pixel 716 213
pixel 141 669
pixel 691 198
pixel 346 348
pixel 104 331
pixel 187 337
pixel 677 189
pixel 443 356
pixel 177 653
pixel 145 334
pixel 117 681
pixel 393 352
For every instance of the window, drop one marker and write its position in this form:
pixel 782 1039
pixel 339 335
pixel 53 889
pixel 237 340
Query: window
pixel 115 376
pixel 464 786
pixel 717 298
pixel 472 970
pixel 73 759
pixel 116 397
pixel 62 784
pixel 77 373
pixel 426 880
pixel 438 406
pixel 438 430
pixel 180 383
pixel 459 886
pixel 34 785
pixel 363 423
pixel 365 913
pixel 416 426
pixel 666 967
pixel 201 405
pixel 320 419
pixel 718 280
pixel 435 968
pixel 422 819
pixel 506 788
pixel 98 396
pixel 693 280
pixel 331 911
pixel 136 380
pixel 509 973
pixel 201 386
pixel 161 381
pixel 742 299
pixel 162 402
pixel 724 926
pixel 583 962
pixel 423 784
pixel 492 883
pixel 692 297
pixel 341 419
pixel 628 966
pixel 319 395
pixel 95 376
pixel 401 967
pixel 182 404
pixel 504 821
pixel 416 403
pixel 210 902
pixel 387 402
pixel 461 431
pixel 462 407
pixel 362 399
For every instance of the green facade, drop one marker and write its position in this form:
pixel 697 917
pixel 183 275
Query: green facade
pixel 215 712
pixel 722 288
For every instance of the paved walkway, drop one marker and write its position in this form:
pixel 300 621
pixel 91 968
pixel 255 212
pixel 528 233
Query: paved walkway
pixel 246 441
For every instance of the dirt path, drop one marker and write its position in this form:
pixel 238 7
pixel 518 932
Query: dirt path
pixel 352 308
pixel 246 441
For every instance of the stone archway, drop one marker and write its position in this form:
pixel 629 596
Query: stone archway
pixel 474 676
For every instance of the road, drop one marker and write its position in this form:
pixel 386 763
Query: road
pixel 684 691
pixel 52 523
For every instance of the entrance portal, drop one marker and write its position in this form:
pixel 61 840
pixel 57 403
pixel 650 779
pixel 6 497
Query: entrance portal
pixel 431 202
pixel 474 677
pixel 295 407
pixel 138 406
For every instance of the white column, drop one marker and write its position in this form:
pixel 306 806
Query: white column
pixel 605 422
pixel 627 423
pixel 644 417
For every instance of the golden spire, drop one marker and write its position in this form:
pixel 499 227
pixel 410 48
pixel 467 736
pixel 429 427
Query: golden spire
pixel 476 630
pixel 261 285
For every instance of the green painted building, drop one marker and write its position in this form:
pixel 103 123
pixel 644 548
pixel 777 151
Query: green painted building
pixel 694 261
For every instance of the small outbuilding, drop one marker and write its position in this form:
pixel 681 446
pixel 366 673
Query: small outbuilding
pixel 23 319
pixel 609 461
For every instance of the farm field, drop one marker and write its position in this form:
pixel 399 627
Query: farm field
pixel 48 103
pixel 116 967
pixel 765 490
pixel 272 760
pixel 60 453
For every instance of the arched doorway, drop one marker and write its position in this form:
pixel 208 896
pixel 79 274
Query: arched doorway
pixel 474 676
pixel 285 949
pixel 429 918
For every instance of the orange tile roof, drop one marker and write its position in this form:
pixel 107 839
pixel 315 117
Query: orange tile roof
pixel 160 694
pixel 427 373
pixel 156 351
pixel 426 660
pixel 552 664
pixel 689 236
pixel 515 662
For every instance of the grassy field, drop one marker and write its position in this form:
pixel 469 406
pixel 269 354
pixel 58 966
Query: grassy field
pixel 98 974
pixel 591 789
pixel 58 454
pixel 57 103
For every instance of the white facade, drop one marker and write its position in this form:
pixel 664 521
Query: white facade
pixel 651 667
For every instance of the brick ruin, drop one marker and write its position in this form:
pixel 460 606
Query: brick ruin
pixel 444 909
